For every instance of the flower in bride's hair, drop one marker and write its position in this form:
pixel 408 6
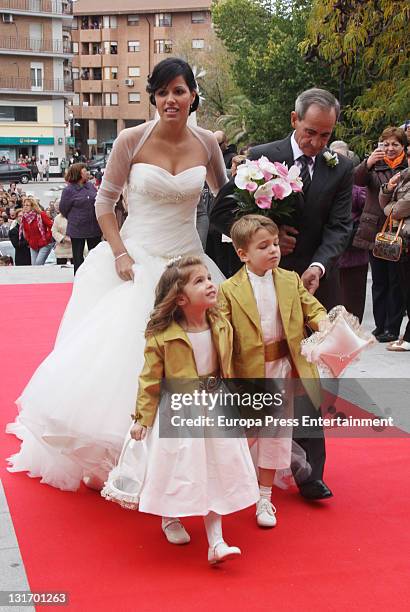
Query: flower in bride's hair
pixel 173 261
pixel 247 174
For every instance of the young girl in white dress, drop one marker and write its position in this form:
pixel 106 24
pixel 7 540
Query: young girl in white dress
pixel 207 476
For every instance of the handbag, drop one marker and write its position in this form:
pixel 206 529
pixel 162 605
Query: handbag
pixel 389 244
pixel 125 481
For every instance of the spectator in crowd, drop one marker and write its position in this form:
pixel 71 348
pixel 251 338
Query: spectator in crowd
pixel 63 248
pixel 4 227
pixel 36 228
pixel 77 205
pixel 12 217
pixel 353 263
pixel 47 170
pixel 22 250
pixel 53 209
pixel 385 161
pixel 33 167
pixel 98 176
pixel 394 198
pixel 4 201
pixel 63 166
pixel 228 151
pixel 40 168
pixel 6 260
pixel 12 188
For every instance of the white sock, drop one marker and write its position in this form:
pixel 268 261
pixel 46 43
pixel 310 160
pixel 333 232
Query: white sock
pixel 265 492
pixel 213 527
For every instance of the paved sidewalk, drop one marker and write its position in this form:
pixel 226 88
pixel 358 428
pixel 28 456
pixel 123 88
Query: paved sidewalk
pixel 12 573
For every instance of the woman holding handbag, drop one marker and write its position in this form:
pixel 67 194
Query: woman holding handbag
pixel 386 160
pixel 394 199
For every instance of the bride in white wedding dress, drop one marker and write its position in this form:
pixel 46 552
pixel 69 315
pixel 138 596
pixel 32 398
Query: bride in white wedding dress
pixel 75 411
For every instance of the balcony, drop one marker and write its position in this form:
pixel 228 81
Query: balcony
pixel 43 8
pixel 32 46
pixel 24 85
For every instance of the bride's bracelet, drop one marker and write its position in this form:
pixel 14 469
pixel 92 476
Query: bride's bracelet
pixel 120 255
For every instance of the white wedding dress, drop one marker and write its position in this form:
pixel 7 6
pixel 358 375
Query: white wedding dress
pixel 75 412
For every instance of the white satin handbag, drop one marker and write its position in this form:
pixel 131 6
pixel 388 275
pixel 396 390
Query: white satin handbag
pixel 339 342
pixel 125 481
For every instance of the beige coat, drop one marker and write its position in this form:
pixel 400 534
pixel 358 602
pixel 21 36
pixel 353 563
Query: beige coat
pixel 297 308
pixel 169 354
pixel 63 249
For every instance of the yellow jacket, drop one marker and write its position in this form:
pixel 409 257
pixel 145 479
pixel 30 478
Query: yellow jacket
pixel 297 308
pixel 169 354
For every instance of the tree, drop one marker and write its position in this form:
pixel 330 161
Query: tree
pixel 365 43
pixel 217 86
pixel 268 66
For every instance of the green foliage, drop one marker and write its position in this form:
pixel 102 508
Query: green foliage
pixel 269 68
pixel 365 42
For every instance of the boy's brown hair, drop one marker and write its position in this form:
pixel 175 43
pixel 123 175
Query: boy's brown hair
pixel 244 229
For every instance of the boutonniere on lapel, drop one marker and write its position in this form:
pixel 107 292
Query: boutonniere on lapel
pixel 331 159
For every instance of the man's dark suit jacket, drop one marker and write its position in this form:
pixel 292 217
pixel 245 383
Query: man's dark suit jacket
pixel 323 218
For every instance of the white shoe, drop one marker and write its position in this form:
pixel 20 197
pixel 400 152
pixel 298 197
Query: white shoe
pixel 175 532
pixel 222 552
pixel 265 513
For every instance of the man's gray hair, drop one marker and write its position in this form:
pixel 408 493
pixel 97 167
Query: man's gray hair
pixel 341 146
pixel 321 97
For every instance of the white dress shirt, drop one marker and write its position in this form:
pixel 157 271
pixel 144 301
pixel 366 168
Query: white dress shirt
pixel 297 153
pixel 267 304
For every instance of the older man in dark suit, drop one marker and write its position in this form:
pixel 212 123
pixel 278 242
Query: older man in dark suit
pixel 319 231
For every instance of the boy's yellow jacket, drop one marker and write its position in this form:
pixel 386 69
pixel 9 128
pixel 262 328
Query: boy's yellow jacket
pixel 169 354
pixel 297 308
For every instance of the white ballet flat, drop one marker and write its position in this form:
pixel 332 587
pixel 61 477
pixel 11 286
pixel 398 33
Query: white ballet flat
pixel 175 532
pixel 222 552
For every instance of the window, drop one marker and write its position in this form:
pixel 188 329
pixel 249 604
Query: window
pixel 134 71
pixel 133 19
pixel 111 99
pixel 110 47
pixel 110 73
pixel 198 43
pixel 109 21
pixel 163 46
pixel 198 17
pixel 133 46
pixel 75 47
pixel 96 49
pixel 18 113
pixel 86 99
pixel 163 20
pixel 36 73
pixel 97 99
pixel 75 73
pixel 97 74
pixel 134 98
pixel 76 100
pixel 74 23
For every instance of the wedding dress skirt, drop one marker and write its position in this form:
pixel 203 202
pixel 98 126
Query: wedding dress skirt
pixel 75 411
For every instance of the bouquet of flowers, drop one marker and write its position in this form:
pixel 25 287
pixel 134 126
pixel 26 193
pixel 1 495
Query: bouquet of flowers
pixel 267 188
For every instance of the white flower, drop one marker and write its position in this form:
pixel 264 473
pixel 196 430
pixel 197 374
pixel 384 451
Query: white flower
pixel 246 173
pixel 331 159
pixel 268 168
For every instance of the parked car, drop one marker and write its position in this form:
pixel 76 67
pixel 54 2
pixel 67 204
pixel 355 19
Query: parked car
pixel 13 173
pixel 97 163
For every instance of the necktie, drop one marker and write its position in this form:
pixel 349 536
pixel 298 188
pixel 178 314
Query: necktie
pixel 304 172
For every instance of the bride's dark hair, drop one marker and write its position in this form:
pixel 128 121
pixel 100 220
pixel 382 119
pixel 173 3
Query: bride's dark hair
pixel 165 72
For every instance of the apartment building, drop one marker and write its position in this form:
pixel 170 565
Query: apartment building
pixel 114 51
pixel 35 77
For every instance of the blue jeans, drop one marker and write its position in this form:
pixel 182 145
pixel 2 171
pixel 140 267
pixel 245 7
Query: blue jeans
pixel 38 258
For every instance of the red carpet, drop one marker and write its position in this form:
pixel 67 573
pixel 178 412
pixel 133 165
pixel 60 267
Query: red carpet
pixel 350 553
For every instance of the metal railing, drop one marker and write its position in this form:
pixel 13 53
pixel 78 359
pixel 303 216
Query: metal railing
pixel 56 7
pixel 26 84
pixel 36 45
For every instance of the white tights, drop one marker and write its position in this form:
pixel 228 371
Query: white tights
pixel 213 527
